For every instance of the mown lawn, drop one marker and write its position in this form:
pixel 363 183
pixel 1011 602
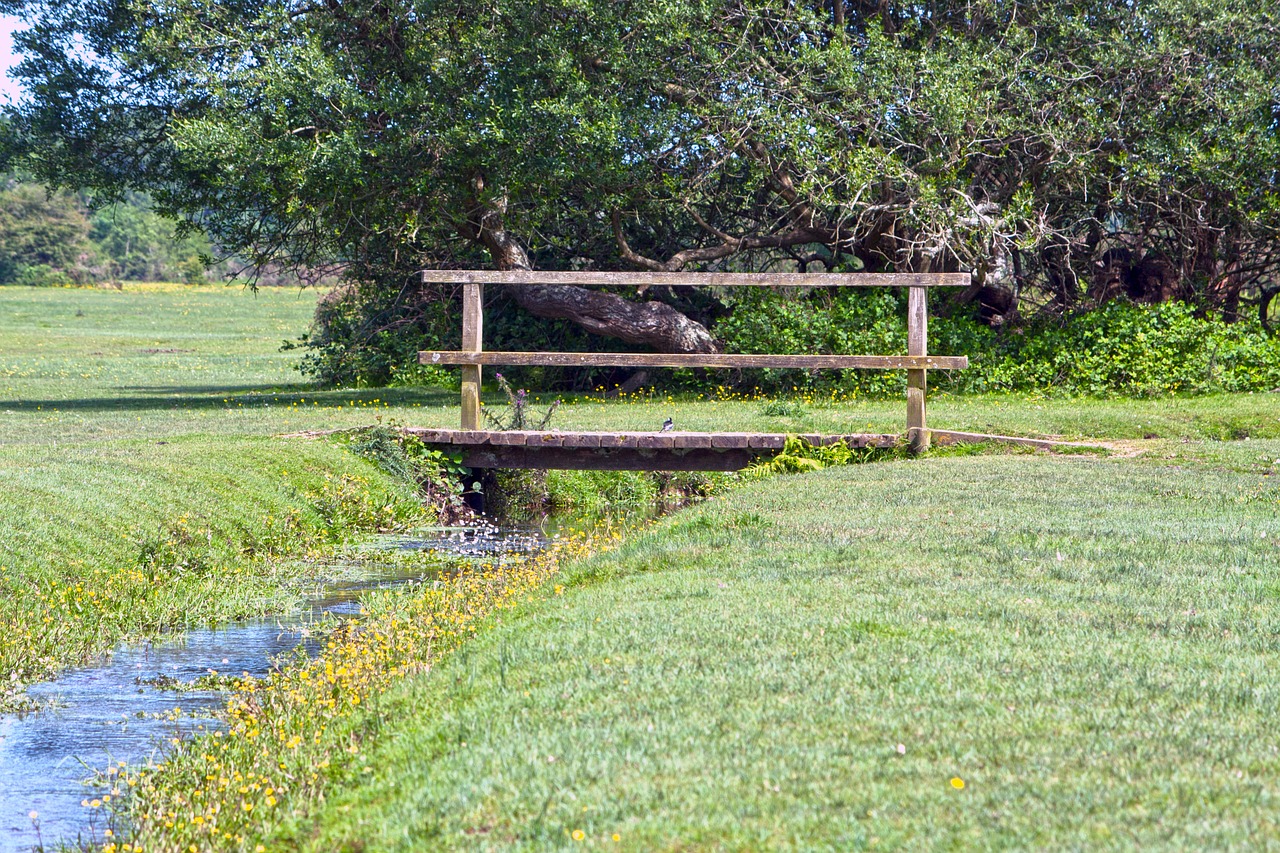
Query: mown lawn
pixel 810 662
pixel 154 361
pixel 820 662
pixel 141 489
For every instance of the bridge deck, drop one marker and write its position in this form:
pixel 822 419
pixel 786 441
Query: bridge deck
pixel 645 451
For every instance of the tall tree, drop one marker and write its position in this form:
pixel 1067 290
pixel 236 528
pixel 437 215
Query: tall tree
pixel 39 229
pixel 1055 149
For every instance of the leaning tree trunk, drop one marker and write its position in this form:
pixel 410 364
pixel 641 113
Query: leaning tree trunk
pixel 654 324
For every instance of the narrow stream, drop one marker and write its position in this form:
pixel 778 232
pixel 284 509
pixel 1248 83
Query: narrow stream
pixel 112 711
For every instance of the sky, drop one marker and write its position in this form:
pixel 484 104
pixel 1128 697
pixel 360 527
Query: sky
pixel 8 89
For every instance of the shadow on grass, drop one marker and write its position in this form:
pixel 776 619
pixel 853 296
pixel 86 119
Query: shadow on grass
pixel 142 398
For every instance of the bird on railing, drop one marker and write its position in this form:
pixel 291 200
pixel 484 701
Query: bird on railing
pixel 668 425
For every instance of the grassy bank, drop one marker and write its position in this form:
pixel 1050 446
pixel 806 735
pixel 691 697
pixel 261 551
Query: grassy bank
pixel 1022 651
pixel 1085 644
pixel 126 539
pixel 132 502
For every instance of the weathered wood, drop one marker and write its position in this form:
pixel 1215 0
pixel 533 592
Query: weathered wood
pixel 915 362
pixel 731 439
pixel 617 439
pixel 609 459
pixel 704 440
pixel 429 435
pixel 581 439
pixel 917 379
pixel 651 440
pixel 697 279
pixel 472 342
pixel 947 437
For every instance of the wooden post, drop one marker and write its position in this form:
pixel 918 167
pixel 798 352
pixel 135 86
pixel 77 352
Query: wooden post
pixel 917 381
pixel 472 341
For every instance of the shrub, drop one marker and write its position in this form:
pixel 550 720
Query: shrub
pixel 1118 348
pixel 844 323
pixel 1132 350
pixel 41 275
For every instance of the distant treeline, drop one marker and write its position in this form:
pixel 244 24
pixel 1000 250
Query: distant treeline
pixel 61 239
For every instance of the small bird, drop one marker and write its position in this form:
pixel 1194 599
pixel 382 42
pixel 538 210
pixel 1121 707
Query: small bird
pixel 668 425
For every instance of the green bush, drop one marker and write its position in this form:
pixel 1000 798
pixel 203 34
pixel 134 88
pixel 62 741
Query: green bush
pixel 1119 348
pixel 41 275
pixel 843 322
pixel 1130 350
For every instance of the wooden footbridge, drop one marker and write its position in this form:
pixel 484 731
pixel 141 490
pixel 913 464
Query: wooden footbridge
pixel 671 451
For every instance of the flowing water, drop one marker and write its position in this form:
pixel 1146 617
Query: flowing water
pixel 116 709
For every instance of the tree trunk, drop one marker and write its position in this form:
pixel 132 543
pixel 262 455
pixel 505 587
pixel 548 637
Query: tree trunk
pixel 654 324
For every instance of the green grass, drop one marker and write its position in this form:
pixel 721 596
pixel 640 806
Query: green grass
pixel 139 493
pixel 79 365
pixel 126 539
pixel 1088 644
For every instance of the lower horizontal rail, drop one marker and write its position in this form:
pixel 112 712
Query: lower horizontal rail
pixel 632 359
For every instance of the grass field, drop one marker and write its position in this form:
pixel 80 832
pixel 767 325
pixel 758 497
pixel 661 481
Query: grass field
pixel 1085 644
pixel 138 494
pixel 1022 651
pixel 163 360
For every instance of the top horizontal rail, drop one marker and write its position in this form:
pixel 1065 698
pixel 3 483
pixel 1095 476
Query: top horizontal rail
pixel 699 279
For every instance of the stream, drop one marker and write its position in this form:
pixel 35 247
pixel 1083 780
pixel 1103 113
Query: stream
pixel 112 711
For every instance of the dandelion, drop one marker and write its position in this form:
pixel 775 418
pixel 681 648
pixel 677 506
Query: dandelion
pixel 578 835
pixel 957 783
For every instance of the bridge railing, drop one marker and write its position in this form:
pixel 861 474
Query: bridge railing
pixel 917 362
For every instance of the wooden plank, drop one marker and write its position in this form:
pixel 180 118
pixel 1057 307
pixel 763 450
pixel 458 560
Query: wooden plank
pixel 698 279
pixel 634 458
pixel 472 342
pixel 431 436
pixel 917 379
pixel 692 440
pixel 615 459
pixel 588 440
pixel 870 440
pixel 949 436
pixel 916 362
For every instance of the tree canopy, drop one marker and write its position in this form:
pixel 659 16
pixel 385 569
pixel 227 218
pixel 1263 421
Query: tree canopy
pixel 1060 151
